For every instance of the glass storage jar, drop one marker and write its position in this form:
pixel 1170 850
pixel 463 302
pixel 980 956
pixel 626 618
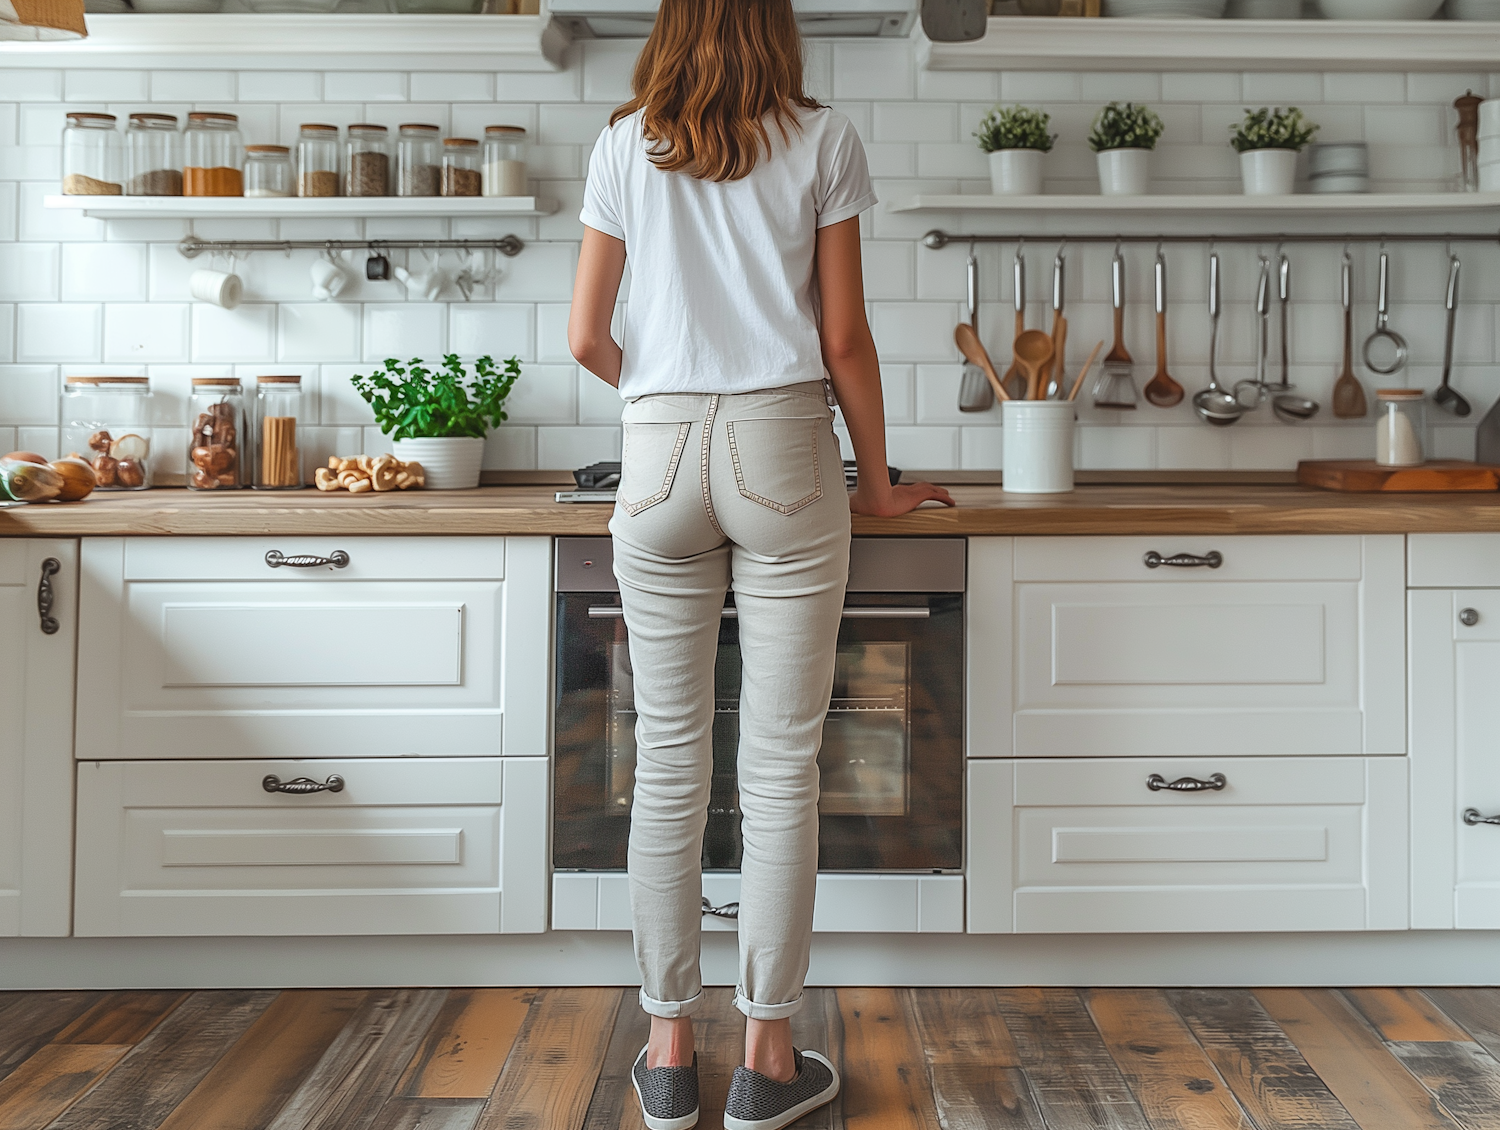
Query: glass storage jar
pixel 105 423
pixel 268 171
pixel 278 454
pixel 1398 427
pixel 504 161
pixel 367 167
pixel 91 155
pixel 215 155
pixel 318 160
pixel 460 166
pixel 216 413
pixel 419 160
pixel 153 150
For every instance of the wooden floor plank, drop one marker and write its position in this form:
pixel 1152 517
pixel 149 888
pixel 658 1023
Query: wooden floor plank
pixel 120 1018
pixel 817 1026
pixel 1463 1077
pixel 972 1062
pixel 550 1075
pixel 1172 1078
pixel 1350 1058
pixel 719 1033
pixel 1407 1016
pixel 1477 1011
pixel 1264 1069
pixel 1076 1082
pixel 613 1105
pixel 34 1019
pixel 464 1051
pixel 254 1079
pixel 429 1114
pixel 885 1073
pixel 164 1068
pixel 359 1070
pixel 52 1080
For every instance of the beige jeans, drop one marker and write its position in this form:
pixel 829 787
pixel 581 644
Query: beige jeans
pixel 749 489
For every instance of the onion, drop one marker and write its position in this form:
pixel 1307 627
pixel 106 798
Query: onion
pixel 26 457
pixel 78 479
pixel 29 482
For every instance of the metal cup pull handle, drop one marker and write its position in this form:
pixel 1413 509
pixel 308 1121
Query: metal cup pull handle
pixel 302 786
pixel 1156 783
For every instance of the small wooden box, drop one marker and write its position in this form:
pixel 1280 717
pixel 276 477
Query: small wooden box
pixel 1436 475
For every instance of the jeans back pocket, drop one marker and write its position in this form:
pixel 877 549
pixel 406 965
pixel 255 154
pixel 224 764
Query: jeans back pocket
pixel 649 458
pixel 776 461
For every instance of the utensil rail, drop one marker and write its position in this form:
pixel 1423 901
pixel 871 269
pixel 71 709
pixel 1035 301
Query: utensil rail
pixel 937 239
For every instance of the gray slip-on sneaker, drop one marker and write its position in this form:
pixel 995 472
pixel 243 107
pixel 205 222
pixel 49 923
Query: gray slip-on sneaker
pixel 668 1095
pixel 758 1103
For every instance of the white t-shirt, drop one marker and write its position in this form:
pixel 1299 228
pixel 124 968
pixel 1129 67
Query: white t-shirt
pixel 722 293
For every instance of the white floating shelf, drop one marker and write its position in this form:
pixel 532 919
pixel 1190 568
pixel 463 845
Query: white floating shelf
pixel 1362 204
pixel 1040 43
pixel 267 41
pixel 301 208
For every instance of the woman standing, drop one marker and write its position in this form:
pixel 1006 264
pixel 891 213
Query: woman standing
pixel 736 198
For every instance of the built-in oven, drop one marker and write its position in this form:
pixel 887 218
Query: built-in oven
pixel 892 756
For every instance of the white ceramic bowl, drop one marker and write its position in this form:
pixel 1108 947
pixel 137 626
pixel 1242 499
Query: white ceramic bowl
pixel 1165 9
pixel 1379 9
pixel 1473 9
pixel 1339 182
pixel 1338 157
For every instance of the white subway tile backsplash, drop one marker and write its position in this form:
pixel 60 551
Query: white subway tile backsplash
pixel 280 86
pixel 983 448
pixel 7 332
pixel 471 118
pixel 552 332
pixel 873 70
pixel 1268 448
pixel 29 271
pixel 291 116
pixel 915 331
pixel 1200 86
pixel 23 84
pixel 1281 88
pixel 372 86
pixel 455 86
pixel 246 333
pixel 598 403
pixel 338 403
pixel 511 447
pixel 914 121
pixel 922 449
pixel 1192 448
pixel 106 86
pixel 542 273
pixel 543 86
pixel 1039 86
pixel 28 394
pixel 156 331
pixel 567 448
pixel 1355 86
pixel 8 439
pixel 951 159
pixel 58 332
pixel 608 65
pixel 194 86
pixel 545 394
pixel 1444 87
pixel 318 331
pixel 501 329
pixel 1414 125
pixel 888 269
pixel 577 123
pixel 1120 86
pixel 958 86
pixel 1129 448
pixel 43 441
pixel 404 329
pixel 103 272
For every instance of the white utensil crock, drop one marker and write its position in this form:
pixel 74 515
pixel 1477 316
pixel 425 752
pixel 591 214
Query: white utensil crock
pixel 1016 172
pixel 1269 172
pixel 450 463
pixel 1038 446
pixel 1124 172
pixel 218 287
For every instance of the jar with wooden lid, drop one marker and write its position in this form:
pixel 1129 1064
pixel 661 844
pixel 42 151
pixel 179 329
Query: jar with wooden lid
pixel 268 171
pixel 153 152
pixel 419 160
pixel 460 166
pixel 214 155
pixel 367 165
pixel 1399 423
pixel 277 415
pixel 105 422
pixel 318 160
pixel 91 158
pixel 504 161
pixel 216 412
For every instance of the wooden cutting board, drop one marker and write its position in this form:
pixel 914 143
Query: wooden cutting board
pixel 1367 475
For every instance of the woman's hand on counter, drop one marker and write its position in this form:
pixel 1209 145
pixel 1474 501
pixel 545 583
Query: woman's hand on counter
pixel 894 501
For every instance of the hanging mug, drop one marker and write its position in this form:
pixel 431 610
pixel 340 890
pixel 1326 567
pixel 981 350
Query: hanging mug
pixel 328 278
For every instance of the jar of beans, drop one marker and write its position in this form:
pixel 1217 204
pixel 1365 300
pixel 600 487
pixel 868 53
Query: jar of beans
pixel 318 160
pixel 460 166
pixel 216 411
pixel 153 150
pixel 419 160
pixel 106 423
pixel 367 165
pixel 215 155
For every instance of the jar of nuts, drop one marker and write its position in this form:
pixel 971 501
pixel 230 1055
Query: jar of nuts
pixel 105 424
pixel 216 411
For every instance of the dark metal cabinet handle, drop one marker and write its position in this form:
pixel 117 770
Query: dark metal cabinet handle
pixel 1211 560
pixel 1156 783
pixel 729 910
pixel 302 786
pixel 1472 817
pixel 1468 617
pixel 276 559
pixel 45 596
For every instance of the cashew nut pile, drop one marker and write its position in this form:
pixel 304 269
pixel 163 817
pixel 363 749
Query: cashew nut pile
pixel 360 473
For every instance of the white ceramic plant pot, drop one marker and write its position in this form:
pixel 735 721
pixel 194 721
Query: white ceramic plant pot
pixel 1269 172
pixel 1124 172
pixel 1016 172
pixel 450 463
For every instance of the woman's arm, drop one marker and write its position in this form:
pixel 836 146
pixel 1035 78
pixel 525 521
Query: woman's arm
pixel 849 354
pixel 601 264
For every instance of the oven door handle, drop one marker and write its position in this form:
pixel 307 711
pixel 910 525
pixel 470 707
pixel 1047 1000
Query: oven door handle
pixel 874 612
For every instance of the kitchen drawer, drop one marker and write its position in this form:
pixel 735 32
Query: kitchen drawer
pixel 408 846
pixel 1453 561
pixel 1291 647
pixel 1089 846
pixel 199 648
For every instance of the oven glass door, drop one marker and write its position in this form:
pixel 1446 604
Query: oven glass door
pixel 892 755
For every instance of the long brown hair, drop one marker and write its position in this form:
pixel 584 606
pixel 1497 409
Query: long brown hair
pixel 710 73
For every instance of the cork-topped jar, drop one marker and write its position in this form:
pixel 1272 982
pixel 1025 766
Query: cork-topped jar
pixel 216 413
pixel 215 155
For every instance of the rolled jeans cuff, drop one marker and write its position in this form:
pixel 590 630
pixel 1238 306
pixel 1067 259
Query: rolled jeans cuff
pixel 671 1010
pixel 766 1011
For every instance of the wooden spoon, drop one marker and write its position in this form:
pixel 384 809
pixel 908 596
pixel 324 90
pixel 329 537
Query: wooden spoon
pixel 1033 359
pixel 1348 393
pixel 1161 390
pixel 1083 372
pixel 973 350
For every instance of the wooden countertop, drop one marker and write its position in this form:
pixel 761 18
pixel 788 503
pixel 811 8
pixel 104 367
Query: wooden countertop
pixel 1091 509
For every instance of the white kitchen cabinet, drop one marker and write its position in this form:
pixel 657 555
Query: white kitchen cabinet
pixel 1248 646
pixel 403 846
pixel 201 648
pixel 1088 846
pixel 36 734
pixel 1454 633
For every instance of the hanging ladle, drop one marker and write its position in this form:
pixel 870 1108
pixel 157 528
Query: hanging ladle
pixel 1288 406
pixel 1216 404
pixel 1445 396
pixel 1252 394
pixel 1385 349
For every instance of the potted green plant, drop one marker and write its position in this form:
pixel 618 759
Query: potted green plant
pixel 1015 137
pixel 1268 142
pixel 439 418
pixel 1122 138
